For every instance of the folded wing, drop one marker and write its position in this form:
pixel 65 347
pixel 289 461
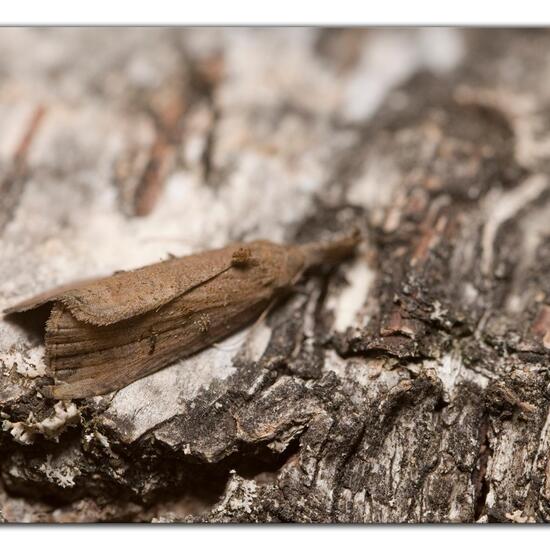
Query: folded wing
pixel 108 300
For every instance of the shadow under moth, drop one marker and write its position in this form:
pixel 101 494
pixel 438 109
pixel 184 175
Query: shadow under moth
pixel 105 333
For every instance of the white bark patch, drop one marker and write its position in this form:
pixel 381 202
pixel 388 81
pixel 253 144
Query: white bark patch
pixel 543 451
pixel 146 403
pixel 347 304
pixel 534 228
pixel 29 363
pixel 374 189
pixel 437 49
pixel 257 341
pixel 510 461
pixel 439 312
pixel 501 207
pixel 260 79
pixel 451 370
pixel 372 375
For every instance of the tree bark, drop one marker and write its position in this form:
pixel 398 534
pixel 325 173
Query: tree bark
pixel 410 384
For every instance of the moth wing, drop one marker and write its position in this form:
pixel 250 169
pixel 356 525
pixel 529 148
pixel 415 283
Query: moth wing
pixel 88 360
pixel 45 297
pixel 108 300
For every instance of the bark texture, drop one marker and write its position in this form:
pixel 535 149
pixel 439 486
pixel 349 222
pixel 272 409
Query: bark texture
pixel 408 385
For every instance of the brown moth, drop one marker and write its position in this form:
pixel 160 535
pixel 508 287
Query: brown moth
pixel 103 334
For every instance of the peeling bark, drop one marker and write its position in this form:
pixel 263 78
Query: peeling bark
pixel 410 384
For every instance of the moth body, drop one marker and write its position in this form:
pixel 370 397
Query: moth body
pixel 103 334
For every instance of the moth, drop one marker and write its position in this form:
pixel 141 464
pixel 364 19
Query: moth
pixel 105 333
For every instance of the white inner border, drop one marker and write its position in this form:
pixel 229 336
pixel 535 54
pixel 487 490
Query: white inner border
pixel 280 12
